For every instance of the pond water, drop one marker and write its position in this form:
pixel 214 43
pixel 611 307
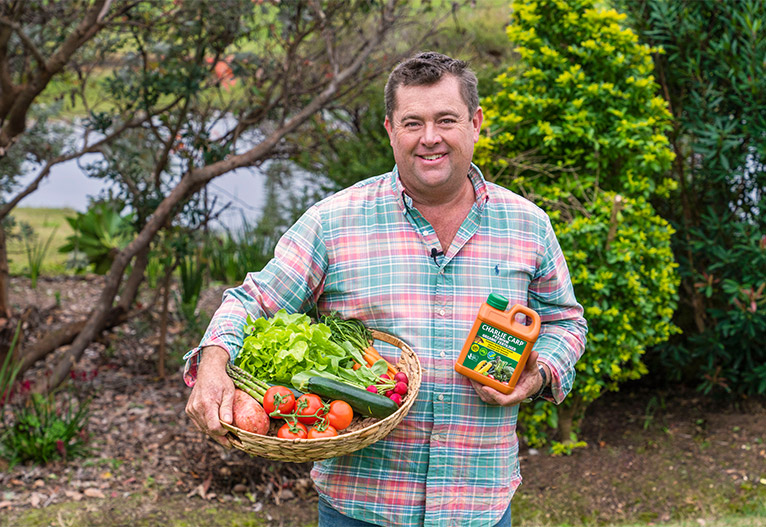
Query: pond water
pixel 68 186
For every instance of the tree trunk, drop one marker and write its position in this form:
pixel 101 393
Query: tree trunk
pixel 569 417
pixel 193 182
pixel 115 316
pixel 164 324
pixel 5 307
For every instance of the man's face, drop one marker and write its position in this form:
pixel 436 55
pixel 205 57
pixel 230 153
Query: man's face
pixel 433 135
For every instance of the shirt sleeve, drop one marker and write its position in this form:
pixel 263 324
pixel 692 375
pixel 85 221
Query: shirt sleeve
pixel 563 329
pixel 292 280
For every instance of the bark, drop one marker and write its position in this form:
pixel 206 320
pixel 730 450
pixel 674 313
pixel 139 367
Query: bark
pixel 5 307
pixel 569 415
pixel 164 325
pixel 191 183
pixel 15 101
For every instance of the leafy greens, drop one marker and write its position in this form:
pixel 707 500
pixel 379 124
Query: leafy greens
pixel 285 345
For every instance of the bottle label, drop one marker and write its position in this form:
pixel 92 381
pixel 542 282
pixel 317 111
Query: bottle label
pixel 494 352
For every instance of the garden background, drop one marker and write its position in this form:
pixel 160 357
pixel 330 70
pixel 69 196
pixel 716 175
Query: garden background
pixel 638 125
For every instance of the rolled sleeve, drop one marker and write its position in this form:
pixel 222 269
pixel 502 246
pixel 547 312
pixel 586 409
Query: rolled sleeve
pixel 563 328
pixel 292 280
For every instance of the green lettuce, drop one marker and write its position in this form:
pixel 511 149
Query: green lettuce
pixel 277 348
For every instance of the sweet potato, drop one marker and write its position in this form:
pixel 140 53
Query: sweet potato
pixel 249 415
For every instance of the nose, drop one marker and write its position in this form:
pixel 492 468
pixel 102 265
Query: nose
pixel 430 135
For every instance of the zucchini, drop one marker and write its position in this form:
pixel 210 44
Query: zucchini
pixel 295 392
pixel 362 401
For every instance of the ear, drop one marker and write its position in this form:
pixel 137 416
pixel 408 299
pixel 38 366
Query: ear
pixel 478 118
pixel 389 129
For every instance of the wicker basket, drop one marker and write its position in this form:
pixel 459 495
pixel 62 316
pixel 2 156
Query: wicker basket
pixel 302 450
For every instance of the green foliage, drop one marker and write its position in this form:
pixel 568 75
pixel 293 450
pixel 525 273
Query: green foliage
pixel 566 448
pixel 714 78
pixel 192 273
pixel 354 144
pixel 8 373
pixel 229 256
pixel 36 251
pixel 727 355
pixel 576 127
pixel 580 106
pixel 42 431
pixel 98 234
pixel 626 280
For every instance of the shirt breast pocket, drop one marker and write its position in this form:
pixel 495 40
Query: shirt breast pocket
pixel 511 279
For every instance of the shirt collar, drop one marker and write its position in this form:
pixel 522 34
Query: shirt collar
pixel 474 174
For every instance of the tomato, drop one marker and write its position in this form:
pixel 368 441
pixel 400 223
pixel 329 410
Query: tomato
pixel 287 403
pixel 309 408
pixel 317 433
pixel 292 431
pixel 340 415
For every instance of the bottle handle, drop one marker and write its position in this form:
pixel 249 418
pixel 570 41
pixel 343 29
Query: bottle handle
pixel 531 330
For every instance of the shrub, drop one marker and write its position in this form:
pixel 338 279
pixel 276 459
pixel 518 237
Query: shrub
pixel 100 233
pixel 576 127
pixel 714 78
pixel 41 431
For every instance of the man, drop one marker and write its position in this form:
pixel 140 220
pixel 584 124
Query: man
pixel 414 253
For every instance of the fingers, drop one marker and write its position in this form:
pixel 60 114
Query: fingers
pixel 527 384
pixel 211 402
pixel 227 405
pixel 204 413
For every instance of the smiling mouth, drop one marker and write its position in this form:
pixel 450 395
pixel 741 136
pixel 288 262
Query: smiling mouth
pixel 433 157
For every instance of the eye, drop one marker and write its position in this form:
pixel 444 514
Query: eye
pixel 448 120
pixel 411 124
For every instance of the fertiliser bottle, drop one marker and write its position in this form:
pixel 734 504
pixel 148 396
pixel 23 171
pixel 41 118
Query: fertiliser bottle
pixel 498 345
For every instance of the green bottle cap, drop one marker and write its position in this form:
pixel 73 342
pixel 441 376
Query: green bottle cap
pixel 497 301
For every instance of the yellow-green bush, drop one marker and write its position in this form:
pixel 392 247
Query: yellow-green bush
pixel 575 126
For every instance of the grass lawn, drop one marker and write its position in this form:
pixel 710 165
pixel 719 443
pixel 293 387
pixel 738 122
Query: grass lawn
pixel 45 223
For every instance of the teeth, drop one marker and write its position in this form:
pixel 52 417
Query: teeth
pixel 431 158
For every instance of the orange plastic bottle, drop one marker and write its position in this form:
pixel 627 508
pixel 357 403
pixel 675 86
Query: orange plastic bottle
pixel 498 345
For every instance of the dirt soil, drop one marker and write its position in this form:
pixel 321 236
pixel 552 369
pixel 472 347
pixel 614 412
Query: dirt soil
pixel 652 455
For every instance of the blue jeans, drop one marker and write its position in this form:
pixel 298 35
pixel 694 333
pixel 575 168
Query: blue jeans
pixel 329 517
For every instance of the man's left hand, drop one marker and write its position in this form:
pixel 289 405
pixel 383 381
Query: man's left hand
pixel 528 384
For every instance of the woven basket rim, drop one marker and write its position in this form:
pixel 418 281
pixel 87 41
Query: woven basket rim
pixel 301 450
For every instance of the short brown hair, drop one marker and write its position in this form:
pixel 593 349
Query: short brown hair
pixel 427 68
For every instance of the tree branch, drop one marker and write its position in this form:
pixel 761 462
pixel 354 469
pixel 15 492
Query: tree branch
pixel 15 123
pixel 25 40
pixel 192 182
pixel 327 35
pixel 95 147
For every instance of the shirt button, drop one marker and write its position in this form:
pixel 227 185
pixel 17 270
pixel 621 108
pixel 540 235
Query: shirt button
pixel 441 312
pixel 441 396
pixel 443 354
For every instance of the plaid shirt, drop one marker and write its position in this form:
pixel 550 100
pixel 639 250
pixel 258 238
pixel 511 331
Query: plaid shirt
pixel 366 253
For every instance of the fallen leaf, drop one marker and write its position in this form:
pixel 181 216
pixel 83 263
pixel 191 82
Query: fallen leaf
pixel 73 495
pixel 201 489
pixel 93 493
pixel 36 498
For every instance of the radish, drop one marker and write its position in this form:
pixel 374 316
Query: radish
pixel 402 377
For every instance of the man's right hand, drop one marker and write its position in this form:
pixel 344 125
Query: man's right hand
pixel 212 395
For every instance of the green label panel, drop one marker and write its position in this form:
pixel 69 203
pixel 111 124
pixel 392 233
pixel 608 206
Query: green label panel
pixel 494 352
